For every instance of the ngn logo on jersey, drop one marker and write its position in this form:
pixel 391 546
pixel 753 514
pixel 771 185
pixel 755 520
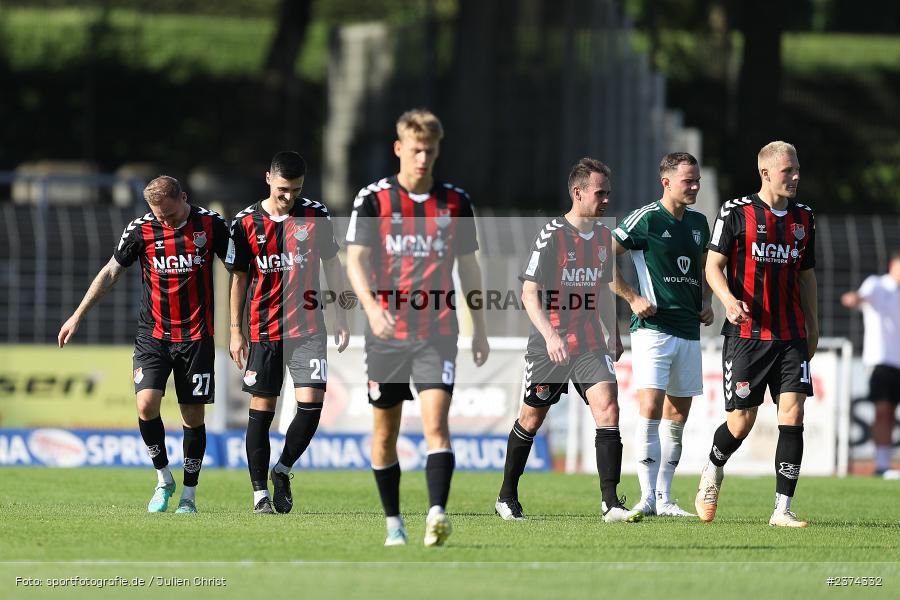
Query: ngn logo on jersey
pixel 280 262
pixel 409 245
pixel 581 276
pixel 176 264
pixel 778 253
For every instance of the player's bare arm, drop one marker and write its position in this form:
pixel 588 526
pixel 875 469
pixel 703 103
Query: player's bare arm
pixel 809 302
pixel 706 312
pixel 736 311
pixel 852 299
pixel 237 345
pixel 103 282
pixel 556 346
pixel 334 277
pixel 639 305
pixel 381 321
pixel 607 305
pixel 470 280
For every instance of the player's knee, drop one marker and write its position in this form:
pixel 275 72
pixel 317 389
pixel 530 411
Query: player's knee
pixel 147 410
pixel 384 439
pixel 740 429
pixel 436 430
pixel 531 419
pixel 791 416
pixel 610 414
pixel 192 416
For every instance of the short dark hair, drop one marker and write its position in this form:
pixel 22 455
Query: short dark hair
pixel 580 174
pixel 895 255
pixel 671 161
pixel 288 164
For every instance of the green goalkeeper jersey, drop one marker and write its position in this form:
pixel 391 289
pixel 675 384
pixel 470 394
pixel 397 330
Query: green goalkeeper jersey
pixel 668 257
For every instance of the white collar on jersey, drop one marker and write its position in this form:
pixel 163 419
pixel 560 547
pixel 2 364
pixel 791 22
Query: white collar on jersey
pixel 420 198
pixel 586 236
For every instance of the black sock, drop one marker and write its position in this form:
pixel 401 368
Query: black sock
pixel 194 448
pixel 388 482
pixel 608 444
pixel 788 455
pixel 258 447
pixel 723 446
pixel 153 432
pixel 300 432
pixel 518 447
pixel 438 473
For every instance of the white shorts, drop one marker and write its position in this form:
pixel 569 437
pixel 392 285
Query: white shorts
pixel 666 362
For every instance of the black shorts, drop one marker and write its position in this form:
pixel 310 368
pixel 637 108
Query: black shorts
pixel 307 359
pixel 545 381
pixel 749 366
pixel 390 363
pixel 884 384
pixel 192 362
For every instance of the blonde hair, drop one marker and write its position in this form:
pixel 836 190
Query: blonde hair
pixel 160 188
pixel 421 124
pixel 774 150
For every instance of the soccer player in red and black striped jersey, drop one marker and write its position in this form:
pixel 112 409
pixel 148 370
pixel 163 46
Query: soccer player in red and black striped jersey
pixel 175 243
pixel 277 245
pixel 566 294
pixel 405 234
pixel 765 244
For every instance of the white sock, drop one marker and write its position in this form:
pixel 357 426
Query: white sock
pixel 259 495
pixel 716 471
pixel 394 522
pixel 883 455
pixel 280 468
pixel 670 453
pixel 646 449
pixel 164 476
pixel 189 493
pixel 435 510
pixel 782 503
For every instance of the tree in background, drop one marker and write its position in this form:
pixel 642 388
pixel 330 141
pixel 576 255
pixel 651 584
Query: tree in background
pixel 279 73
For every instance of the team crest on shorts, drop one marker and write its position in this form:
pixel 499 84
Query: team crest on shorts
pixel 374 390
pixel 139 374
pixel 199 238
pixel 798 230
pixel 742 389
pixel 302 233
pixel 250 377
pixel 542 391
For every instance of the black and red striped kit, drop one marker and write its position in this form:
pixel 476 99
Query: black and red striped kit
pixel 414 240
pixel 282 257
pixel 176 299
pixel 767 250
pixel 176 265
pixel 572 269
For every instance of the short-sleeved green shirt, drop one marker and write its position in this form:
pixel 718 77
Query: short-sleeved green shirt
pixel 668 257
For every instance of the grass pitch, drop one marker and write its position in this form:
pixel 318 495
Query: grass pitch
pixel 93 524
